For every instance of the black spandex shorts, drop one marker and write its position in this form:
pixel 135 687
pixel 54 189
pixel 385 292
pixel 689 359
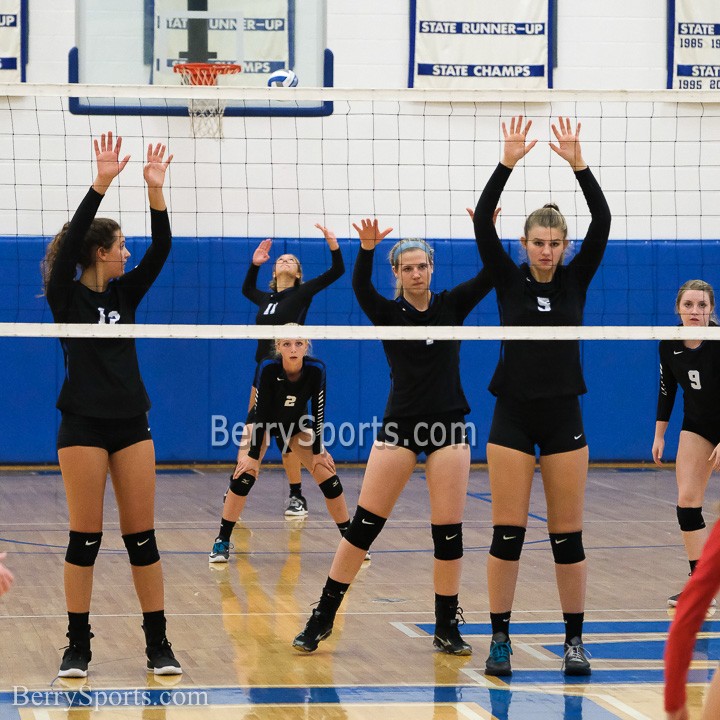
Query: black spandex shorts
pixel 710 430
pixel 109 434
pixel 425 434
pixel 555 425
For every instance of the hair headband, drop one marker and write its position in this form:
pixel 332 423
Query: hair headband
pixel 404 245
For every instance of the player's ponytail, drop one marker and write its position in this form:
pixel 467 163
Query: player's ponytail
pixel 102 233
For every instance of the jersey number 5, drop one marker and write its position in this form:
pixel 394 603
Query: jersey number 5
pixel 694 377
pixel 290 400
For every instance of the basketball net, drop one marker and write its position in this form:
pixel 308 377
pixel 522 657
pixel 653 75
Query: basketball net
pixel 205 115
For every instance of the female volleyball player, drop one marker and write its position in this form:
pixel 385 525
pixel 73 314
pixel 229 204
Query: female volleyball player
pixel 288 302
pixel 284 387
pixel 425 413
pixel 104 404
pixel 6 577
pixel 537 384
pixel 695 366
pixel 692 605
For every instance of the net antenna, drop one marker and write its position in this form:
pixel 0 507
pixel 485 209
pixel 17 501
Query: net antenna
pixel 205 114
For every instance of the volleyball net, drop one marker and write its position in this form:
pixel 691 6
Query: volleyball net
pixel 414 159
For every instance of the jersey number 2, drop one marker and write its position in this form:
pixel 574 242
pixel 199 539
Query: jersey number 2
pixel 290 401
pixel 694 377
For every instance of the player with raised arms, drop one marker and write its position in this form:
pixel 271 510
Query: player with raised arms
pixel 288 302
pixel 104 403
pixel 694 365
pixel 285 385
pixel 537 384
pixel 425 413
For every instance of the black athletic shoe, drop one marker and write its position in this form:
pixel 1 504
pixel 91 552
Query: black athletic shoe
pixel 161 659
pixel 317 629
pixel 575 661
pixel 448 639
pixel 498 662
pixel 75 659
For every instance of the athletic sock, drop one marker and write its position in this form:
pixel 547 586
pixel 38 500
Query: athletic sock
pixel 226 528
pixel 500 622
pixel 573 625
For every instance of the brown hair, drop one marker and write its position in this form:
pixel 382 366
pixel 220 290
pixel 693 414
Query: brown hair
pixel 548 216
pixel 101 233
pixel 298 280
pixel 697 285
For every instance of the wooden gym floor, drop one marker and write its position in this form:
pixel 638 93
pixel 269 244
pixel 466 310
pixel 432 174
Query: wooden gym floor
pixel 231 626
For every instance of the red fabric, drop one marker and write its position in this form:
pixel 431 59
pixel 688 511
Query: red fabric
pixel 689 616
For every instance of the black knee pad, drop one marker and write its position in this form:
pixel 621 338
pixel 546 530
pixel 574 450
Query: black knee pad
pixel 142 548
pixel 447 540
pixel 331 488
pixel 241 486
pixel 364 528
pixel 82 549
pixel 567 548
pixel 507 542
pixel 690 519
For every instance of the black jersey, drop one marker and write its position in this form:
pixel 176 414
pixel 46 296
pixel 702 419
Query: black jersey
pixel 697 372
pixel 281 403
pixel 424 375
pixel 102 376
pixel 533 369
pixel 290 305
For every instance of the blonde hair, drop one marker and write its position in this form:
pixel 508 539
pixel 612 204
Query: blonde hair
pixel 399 248
pixel 298 280
pixel 280 339
pixel 702 286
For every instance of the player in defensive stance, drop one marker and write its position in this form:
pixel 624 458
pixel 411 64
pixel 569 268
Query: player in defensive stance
pixel 104 404
pixel 288 302
pixel 285 386
pixel 537 384
pixel 694 365
pixel 425 413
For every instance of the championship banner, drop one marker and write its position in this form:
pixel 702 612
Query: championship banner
pixel 487 44
pixel 694 45
pixel 11 41
pixel 255 34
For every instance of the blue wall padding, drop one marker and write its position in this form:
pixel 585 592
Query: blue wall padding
pixel 190 381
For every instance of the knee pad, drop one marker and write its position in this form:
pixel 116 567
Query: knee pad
pixel 331 488
pixel 364 528
pixel 142 548
pixel 567 548
pixel 447 540
pixel 241 486
pixel 690 519
pixel 82 549
pixel 507 542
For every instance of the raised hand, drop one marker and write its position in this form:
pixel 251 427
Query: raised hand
pixel 568 147
pixel 107 157
pixel 516 146
pixel 370 234
pixel 262 252
pixel 471 213
pixel 330 237
pixel 154 170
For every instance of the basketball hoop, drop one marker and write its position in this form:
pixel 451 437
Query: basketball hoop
pixel 206 115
